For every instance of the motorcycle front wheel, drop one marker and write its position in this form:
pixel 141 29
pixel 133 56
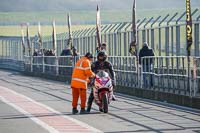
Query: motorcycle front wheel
pixel 105 103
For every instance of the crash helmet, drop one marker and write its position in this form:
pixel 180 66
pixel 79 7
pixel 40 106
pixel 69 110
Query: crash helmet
pixel 89 55
pixel 102 56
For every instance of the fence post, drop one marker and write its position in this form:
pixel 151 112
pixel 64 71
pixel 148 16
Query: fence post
pixel 167 35
pixel 152 33
pixel 31 56
pixel 109 40
pixel 112 44
pixel 159 33
pixel 3 48
pixel 116 39
pixel 1 44
pixel 194 75
pixel 43 63
pixel 147 29
pixel 6 47
pixel 57 65
pixel 178 34
pixel 93 39
pixel 138 31
pixel 189 76
pixel 196 38
pixel 138 70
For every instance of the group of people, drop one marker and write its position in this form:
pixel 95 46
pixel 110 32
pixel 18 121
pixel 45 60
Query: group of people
pixel 46 52
pixel 84 70
pixel 73 51
pixel 80 78
pixel 50 52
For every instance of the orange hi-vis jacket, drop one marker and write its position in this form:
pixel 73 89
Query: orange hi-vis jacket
pixel 81 73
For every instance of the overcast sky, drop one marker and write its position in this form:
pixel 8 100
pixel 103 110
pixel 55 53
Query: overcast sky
pixel 60 5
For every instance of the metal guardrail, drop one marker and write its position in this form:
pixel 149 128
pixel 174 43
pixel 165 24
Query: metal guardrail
pixel 12 64
pixel 171 74
pixel 53 65
pixel 166 74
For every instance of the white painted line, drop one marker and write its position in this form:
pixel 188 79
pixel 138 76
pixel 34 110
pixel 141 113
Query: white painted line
pixel 38 121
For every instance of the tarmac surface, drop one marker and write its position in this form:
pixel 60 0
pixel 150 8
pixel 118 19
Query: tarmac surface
pixel 36 105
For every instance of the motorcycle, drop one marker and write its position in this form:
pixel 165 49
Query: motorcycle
pixel 102 90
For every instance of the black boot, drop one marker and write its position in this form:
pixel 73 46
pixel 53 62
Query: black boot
pixel 89 105
pixel 83 111
pixel 88 109
pixel 74 111
pixel 100 109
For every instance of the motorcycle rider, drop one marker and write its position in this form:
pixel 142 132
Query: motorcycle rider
pixel 101 64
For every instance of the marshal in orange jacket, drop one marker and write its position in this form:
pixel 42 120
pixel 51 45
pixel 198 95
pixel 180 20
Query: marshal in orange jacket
pixel 81 73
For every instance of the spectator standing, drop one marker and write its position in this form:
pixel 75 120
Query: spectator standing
pixel 146 63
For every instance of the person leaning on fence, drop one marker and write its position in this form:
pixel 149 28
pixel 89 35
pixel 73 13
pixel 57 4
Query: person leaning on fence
pixel 80 75
pixel 146 63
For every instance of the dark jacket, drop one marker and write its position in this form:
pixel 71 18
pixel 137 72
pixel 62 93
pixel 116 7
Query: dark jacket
pixel 106 65
pixel 146 51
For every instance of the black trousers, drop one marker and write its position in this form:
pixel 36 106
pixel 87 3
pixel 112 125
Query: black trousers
pixel 90 100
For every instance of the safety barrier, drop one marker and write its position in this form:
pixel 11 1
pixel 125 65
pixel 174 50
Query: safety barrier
pixel 171 74
pixel 12 64
pixel 178 75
